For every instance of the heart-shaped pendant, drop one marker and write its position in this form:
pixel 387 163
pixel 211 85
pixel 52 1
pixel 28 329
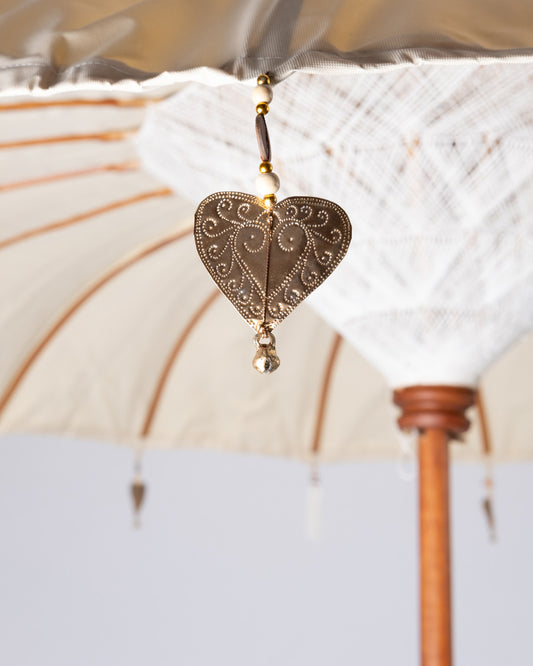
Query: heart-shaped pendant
pixel 267 260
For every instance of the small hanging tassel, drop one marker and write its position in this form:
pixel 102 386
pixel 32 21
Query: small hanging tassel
pixel 488 506
pixel 138 490
pixel 488 501
pixel 314 506
pixel 406 467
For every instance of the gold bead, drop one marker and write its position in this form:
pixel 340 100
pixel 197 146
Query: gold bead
pixel 270 200
pixel 265 167
pixel 263 80
pixel 262 108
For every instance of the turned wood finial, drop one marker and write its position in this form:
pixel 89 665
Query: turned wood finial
pixel 438 413
pixel 439 407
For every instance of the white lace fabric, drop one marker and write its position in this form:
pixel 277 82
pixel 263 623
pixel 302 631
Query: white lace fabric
pixel 433 166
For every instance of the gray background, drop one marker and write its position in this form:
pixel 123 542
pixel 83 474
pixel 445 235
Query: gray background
pixel 222 572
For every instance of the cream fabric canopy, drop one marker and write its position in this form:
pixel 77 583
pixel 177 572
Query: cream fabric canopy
pixel 109 328
pixel 162 42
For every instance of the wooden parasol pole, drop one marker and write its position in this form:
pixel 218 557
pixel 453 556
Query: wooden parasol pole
pixel 438 413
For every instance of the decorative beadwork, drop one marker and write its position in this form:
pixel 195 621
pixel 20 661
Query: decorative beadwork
pixel 263 139
pixel 265 256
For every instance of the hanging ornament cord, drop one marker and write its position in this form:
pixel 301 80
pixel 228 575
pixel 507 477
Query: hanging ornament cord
pixel 267 257
pixel 266 359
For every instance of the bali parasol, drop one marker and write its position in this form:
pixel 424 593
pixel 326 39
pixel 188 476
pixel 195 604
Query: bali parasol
pixel 440 282
pixel 281 39
pixel 86 230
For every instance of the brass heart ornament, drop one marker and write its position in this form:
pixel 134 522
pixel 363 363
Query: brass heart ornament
pixel 267 260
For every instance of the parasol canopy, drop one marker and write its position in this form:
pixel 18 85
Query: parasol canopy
pixel 111 330
pixel 60 44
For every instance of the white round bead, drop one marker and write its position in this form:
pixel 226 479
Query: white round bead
pixel 262 95
pixel 267 183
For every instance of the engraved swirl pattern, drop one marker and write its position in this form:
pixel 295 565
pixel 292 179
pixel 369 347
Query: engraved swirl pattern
pixel 307 238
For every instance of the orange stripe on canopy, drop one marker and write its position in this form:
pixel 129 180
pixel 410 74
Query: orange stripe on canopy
pixel 82 217
pixel 154 403
pixel 131 165
pixel 326 384
pixel 76 305
pixel 111 135
pixel 124 103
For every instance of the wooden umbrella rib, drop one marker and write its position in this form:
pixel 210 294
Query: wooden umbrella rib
pixel 123 103
pixel 130 165
pixel 171 360
pixel 110 135
pixel 485 435
pixel 75 306
pixel 326 384
pixel 82 217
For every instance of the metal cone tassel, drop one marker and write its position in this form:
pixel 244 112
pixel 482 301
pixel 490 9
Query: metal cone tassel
pixel 138 493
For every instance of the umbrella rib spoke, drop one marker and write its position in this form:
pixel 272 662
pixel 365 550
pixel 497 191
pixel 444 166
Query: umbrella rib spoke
pixel 483 424
pixel 171 360
pixel 81 300
pixel 110 135
pixel 326 383
pixel 82 217
pixel 123 103
pixel 130 165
